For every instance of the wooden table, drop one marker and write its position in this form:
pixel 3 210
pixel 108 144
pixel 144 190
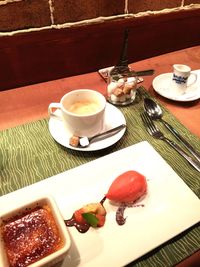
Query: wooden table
pixel 29 103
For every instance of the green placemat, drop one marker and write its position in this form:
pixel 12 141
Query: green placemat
pixel 29 154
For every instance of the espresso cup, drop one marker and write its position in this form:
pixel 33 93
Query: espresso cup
pixel 82 112
pixel 182 78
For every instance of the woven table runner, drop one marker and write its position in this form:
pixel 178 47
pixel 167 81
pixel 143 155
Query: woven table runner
pixel 29 154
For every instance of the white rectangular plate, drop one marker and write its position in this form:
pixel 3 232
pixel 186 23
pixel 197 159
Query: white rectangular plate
pixel 169 203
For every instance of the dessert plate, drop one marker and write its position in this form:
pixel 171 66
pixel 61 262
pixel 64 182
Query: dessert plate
pixel 113 118
pixel 162 84
pixel 170 207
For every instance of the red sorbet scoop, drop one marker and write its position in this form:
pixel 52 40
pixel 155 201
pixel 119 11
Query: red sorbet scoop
pixel 127 187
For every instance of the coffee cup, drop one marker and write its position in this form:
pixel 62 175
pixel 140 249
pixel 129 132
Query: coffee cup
pixel 82 112
pixel 182 78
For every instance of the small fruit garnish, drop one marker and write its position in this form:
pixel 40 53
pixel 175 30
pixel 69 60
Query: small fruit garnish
pixel 91 219
pixel 93 214
pixel 78 216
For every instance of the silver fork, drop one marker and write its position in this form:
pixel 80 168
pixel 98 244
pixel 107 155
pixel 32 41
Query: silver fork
pixel 153 130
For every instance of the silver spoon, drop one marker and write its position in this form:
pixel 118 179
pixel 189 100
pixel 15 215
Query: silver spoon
pixel 86 141
pixel 155 112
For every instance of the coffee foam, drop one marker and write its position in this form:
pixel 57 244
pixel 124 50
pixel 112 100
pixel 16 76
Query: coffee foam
pixel 84 107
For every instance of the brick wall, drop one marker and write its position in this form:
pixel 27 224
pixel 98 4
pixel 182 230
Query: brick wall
pixel 41 40
pixel 28 15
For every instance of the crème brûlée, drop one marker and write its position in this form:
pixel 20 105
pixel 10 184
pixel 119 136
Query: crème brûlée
pixel 31 236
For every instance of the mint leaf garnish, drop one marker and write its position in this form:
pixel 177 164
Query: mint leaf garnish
pixel 91 219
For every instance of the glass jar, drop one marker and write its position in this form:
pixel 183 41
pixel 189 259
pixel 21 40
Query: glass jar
pixel 121 88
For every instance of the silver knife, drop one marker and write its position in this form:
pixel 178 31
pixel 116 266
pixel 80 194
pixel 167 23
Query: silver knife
pixel 182 139
pixel 193 162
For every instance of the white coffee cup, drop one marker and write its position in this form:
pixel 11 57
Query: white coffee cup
pixel 182 78
pixel 82 112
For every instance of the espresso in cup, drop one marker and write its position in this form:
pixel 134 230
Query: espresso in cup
pixel 82 112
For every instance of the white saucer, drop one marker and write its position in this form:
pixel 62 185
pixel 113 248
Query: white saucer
pixel 162 85
pixel 113 118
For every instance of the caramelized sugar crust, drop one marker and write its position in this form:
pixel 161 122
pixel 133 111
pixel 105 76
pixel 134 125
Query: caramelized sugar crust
pixel 31 236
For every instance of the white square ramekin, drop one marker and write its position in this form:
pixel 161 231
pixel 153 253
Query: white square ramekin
pixel 55 256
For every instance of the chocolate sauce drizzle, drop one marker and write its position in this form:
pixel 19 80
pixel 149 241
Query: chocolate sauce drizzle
pixel 83 228
pixel 103 200
pixel 120 214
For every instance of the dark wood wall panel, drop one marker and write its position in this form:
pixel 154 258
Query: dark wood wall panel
pixel 51 54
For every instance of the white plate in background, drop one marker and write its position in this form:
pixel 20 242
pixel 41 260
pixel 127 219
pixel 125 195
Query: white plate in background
pixel 162 85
